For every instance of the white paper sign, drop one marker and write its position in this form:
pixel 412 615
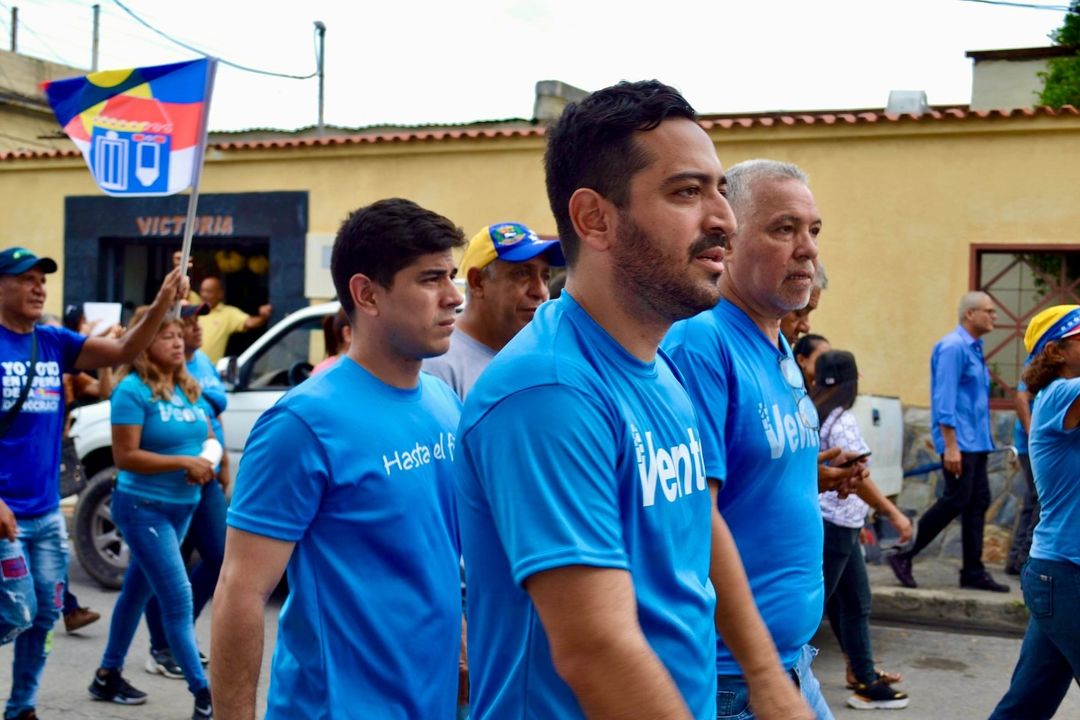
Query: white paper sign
pixel 104 314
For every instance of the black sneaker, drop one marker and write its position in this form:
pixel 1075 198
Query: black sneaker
pixel 27 714
pixel 110 685
pixel 203 659
pixel 161 662
pixel 877 696
pixel 204 708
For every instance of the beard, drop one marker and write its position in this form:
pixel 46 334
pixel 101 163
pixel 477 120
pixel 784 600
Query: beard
pixel 663 282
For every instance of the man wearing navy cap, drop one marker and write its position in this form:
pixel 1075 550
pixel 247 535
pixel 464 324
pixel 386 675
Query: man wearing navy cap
pixel 33 536
pixel 506 268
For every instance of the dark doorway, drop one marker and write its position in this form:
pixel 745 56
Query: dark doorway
pixel 118 249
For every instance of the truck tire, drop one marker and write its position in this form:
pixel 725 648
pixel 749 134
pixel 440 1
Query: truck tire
pixel 98 543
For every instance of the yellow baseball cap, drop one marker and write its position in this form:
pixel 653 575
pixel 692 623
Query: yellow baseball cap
pixel 509 241
pixel 1053 323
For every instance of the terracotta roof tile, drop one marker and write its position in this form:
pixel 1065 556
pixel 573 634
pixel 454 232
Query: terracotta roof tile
pixel 724 122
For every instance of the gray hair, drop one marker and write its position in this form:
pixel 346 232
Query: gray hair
pixel 821 280
pixel 971 301
pixel 742 177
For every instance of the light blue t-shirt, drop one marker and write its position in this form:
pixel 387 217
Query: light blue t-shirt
pixel 169 427
pixel 359 475
pixel 760 449
pixel 576 453
pixel 1055 463
pixel 1020 438
pixel 213 397
pixel 30 450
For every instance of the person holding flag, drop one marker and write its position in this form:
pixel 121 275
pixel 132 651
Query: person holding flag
pixel 33 534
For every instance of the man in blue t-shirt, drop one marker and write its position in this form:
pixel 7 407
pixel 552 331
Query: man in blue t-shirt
pixel 585 515
pixel 759 428
pixel 33 535
pixel 347 482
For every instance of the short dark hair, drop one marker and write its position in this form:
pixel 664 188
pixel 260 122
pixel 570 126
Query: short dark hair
pixel 805 346
pixel 384 237
pixel 592 145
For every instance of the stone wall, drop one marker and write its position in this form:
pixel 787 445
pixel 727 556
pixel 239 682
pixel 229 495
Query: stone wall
pixel 1007 488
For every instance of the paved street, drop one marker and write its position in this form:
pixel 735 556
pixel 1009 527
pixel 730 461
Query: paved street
pixel 949 676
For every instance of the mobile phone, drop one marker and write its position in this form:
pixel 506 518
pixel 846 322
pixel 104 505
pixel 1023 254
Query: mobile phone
pixel 854 460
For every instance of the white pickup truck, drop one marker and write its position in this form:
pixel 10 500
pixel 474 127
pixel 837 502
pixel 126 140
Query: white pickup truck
pixel 281 358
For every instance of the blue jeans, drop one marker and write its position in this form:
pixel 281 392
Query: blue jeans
pixel 34 571
pixel 733 695
pixel 207 535
pixel 154 531
pixel 1050 656
pixel 847 598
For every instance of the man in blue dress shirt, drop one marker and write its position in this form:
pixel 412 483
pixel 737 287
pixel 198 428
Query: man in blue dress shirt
pixel 960 419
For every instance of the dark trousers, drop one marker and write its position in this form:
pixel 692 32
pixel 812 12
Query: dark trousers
pixel 1029 518
pixel 1050 656
pixel 966 496
pixel 847 598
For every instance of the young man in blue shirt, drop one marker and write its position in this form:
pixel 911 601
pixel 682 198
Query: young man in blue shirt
pixel 759 427
pixel 584 509
pixel 960 423
pixel 33 534
pixel 348 483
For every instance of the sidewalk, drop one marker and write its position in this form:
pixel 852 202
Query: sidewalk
pixel 939 601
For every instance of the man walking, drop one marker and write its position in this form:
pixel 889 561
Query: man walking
pixel 33 534
pixel 348 482
pixel 759 427
pixel 960 419
pixel 506 268
pixel 584 508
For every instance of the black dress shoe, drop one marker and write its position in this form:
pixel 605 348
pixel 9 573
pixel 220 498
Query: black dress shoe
pixel 901 567
pixel 982 581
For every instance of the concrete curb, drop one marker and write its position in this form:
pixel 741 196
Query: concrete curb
pixel 959 610
pixel 939 602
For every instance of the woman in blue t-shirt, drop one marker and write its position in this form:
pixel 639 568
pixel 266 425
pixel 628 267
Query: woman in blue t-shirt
pixel 164 448
pixel 1050 656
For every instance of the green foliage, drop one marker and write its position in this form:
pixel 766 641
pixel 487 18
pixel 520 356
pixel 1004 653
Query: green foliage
pixel 1061 81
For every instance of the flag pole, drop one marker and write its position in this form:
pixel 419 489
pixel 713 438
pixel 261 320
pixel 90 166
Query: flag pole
pixel 200 152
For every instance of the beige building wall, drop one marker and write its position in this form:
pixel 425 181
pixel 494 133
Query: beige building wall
pixel 902 204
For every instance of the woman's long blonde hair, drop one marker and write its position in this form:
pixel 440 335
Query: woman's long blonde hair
pixel 160 383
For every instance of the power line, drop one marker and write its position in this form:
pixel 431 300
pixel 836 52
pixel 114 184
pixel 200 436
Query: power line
pixel 194 49
pixel 1029 6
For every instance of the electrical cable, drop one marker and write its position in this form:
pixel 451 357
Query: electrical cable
pixel 223 61
pixel 1028 6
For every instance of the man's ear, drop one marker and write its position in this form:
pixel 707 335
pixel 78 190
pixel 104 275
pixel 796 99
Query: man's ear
pixel 594 218
pixel 362 289
pixel 474 278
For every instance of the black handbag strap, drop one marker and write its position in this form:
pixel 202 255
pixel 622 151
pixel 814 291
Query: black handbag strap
pixel 13 411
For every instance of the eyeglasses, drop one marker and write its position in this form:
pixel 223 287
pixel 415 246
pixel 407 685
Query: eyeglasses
pixel 992 311
pixel 794 377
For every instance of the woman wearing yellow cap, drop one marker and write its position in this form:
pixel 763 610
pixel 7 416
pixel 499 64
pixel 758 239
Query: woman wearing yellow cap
pixel 1050 656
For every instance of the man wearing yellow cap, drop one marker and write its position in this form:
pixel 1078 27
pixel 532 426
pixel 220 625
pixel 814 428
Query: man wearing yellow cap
pixel 506 268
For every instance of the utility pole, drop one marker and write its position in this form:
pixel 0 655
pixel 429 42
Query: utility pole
pixel 320 28
pixel 14 29
pixel 97 31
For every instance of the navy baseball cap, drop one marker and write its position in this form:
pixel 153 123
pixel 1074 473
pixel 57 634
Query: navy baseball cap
pixel 17 260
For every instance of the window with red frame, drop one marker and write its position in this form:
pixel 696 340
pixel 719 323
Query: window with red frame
pixel 1021 280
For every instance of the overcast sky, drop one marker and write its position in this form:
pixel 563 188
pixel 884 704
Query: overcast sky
pixel 433 61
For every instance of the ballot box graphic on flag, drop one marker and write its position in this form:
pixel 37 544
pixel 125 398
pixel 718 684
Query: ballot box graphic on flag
pixel 140 130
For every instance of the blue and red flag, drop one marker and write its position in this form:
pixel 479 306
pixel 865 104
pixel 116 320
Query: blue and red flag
pixel 142 131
